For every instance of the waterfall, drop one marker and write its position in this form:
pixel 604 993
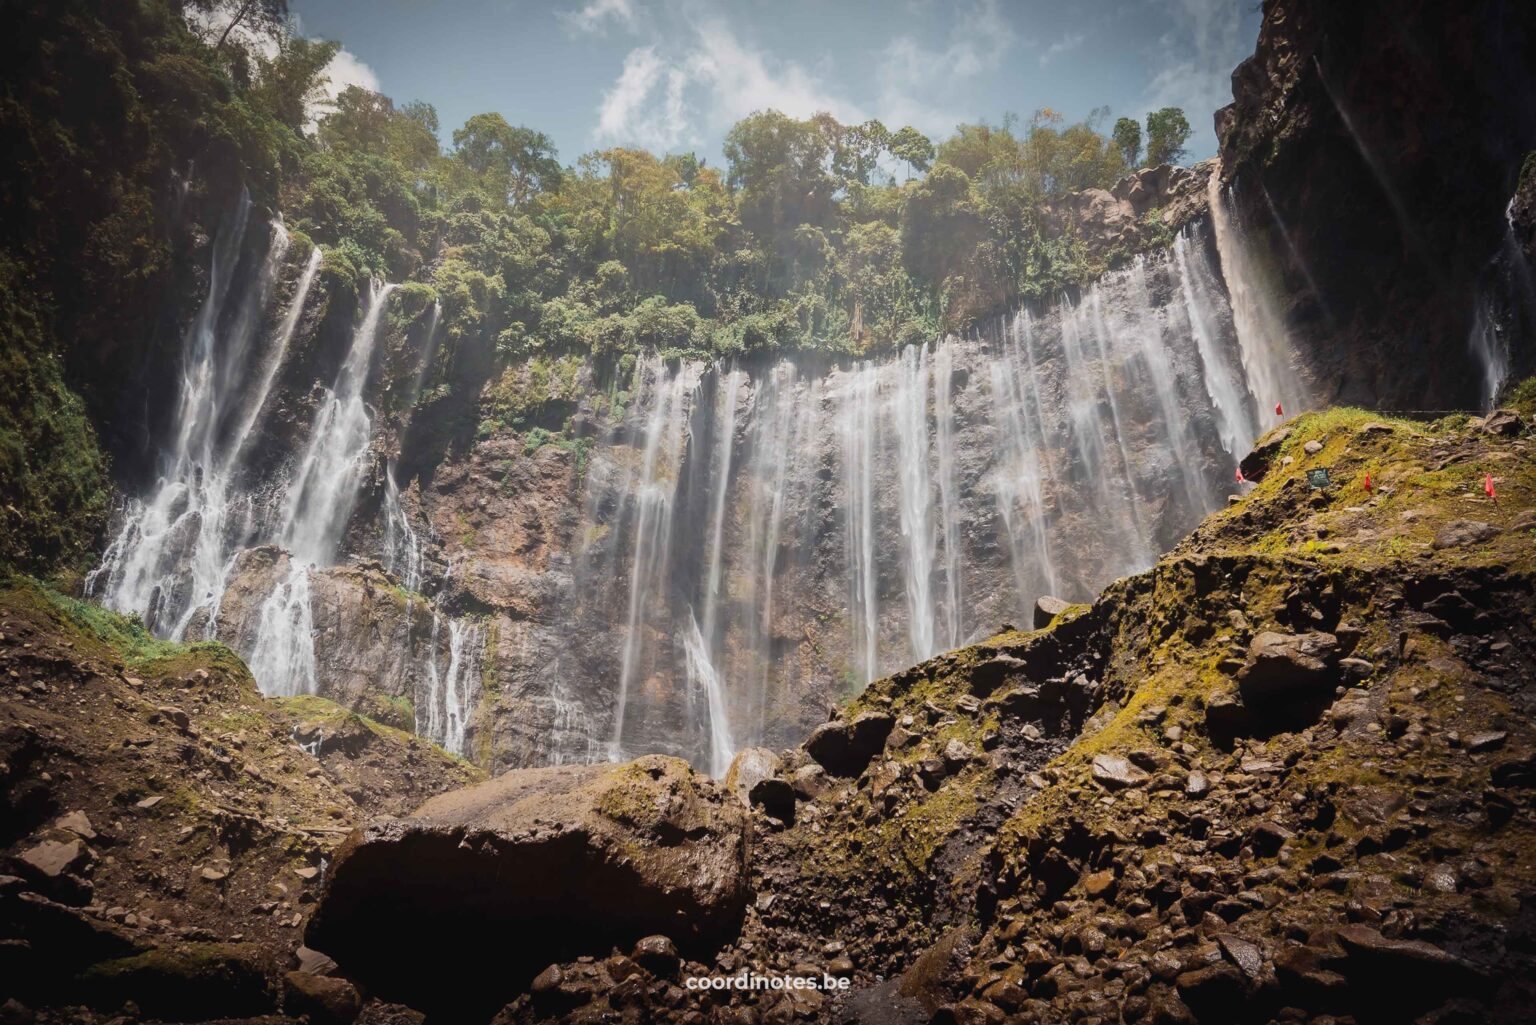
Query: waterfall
pixel 702 674
pixel 283 658
pixel 949 492
pixel 700 642
pixel 450 695
pixel 1491 351
pixel 1235 414
pixel 1018 486
pixel 325 486
pixel 858 428
pixel 910 413
pixel 767 533
pixel 755 538
pixel 171 555
pixel 652 497
pixel 274 360
pixel 1262 338
pixel 402 548
pixel 1505 310
pixel 320 500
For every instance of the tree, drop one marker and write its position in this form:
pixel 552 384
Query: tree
pixel 291 81
pixel 366 122
pixel 858 150
pixel 912 148
pixel 779 167
pixel 256 15
pixel 1127 135
pixel 1167 132
pixel 518 161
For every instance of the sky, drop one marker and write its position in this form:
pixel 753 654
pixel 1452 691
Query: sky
pixel 674 75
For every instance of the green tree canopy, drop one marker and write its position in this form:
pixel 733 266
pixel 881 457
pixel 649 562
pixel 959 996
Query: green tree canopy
pixel 519 161
pixel 1167 132
pixel 1127 136
pixel 912 148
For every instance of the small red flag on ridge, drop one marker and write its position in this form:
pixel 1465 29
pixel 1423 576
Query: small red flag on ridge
pixel 1488 487
pixel 1279 409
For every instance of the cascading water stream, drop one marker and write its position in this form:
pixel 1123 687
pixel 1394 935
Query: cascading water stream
pixel 700 641
pixel 949 493
pixel 170 560
pixel 450 695
pixel 858 430
pixel 910 413
pixel 1018 485
pixel 1235 415
pixel 325 486
pixel 1262 337
pixel 653 501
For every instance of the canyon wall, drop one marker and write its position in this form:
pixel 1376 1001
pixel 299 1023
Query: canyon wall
pixel 705 556
pixel 568 560
pixel 1374 148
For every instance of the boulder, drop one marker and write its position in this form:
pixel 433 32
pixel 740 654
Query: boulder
pixel 533 867
pixel 1460 533
pixel 776 796
pixel 1048 608
pixel 52 858
pixel 325 1000
pixel 988 675
pixel 749 768
pixel 1504 422
pixel 657 955
pixel 1405 975
pixel 1281 666
pixel 184 982
pixel 844 747
pixel 1115 772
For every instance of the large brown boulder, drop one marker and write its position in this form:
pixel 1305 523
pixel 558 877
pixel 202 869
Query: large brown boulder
pixel 486 886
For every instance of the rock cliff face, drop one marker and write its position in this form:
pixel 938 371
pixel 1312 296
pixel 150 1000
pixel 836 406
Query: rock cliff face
pixel 1374 148
pixel 682 558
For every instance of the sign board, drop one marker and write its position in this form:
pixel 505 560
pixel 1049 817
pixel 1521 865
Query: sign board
pixel 1318 478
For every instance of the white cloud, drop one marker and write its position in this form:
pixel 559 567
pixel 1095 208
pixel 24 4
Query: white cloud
pixel 1066 44
pixel 912 77
pixel 645 106
pixel 596 14
pixel 346 69
pixel 696 76
pixel 666 101
pixel 741 80
pixel 1194 61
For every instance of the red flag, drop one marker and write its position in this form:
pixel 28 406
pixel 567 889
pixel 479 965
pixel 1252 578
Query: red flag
pixel 1488 487
pixel 1240 478
pixel 1279 409
pixel 1367 480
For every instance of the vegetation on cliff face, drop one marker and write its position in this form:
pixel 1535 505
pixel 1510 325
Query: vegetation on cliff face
pixel 52 473
pixel 133 132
